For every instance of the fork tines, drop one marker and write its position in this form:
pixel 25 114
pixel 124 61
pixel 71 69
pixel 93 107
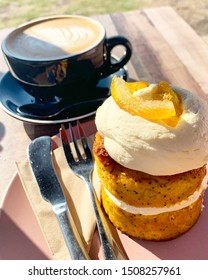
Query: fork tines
pixel 77 146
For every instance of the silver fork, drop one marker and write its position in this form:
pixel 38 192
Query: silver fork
pixel 82 166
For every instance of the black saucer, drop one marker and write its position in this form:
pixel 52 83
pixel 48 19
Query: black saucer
pixel 12 96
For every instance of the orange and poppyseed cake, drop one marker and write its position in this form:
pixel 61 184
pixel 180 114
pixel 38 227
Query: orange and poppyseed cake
pixel 150 151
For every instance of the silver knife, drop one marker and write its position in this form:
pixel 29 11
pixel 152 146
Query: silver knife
pixel 41 162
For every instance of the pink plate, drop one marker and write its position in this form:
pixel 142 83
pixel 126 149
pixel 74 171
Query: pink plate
pixel 21 236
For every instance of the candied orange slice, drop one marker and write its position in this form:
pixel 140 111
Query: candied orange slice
pixel 134 86
pixel 166 91
pixel 160 103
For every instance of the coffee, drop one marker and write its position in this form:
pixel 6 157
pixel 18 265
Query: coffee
pixel 53 38
pixel 62 56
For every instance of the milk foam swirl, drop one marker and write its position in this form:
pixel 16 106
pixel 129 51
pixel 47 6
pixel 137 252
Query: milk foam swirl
pixel 77 37
pixel 55 38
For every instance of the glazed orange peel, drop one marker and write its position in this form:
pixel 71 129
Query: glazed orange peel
pixel 158 103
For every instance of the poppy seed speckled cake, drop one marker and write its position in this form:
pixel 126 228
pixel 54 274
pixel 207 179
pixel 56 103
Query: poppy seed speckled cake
pixel 151 151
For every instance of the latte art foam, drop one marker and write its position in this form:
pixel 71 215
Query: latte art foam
pixel 55 38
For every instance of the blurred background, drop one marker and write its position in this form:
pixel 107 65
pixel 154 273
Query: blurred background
pixel 15 12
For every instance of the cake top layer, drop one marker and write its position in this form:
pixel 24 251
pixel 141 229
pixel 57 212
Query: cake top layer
pixel 154 146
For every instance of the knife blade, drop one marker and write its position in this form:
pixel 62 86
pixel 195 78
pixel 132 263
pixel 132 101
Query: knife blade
pixel 41 162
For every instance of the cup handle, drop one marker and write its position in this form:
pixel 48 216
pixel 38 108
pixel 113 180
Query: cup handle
pixel 112 42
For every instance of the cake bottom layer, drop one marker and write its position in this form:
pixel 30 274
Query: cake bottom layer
pixel 162 226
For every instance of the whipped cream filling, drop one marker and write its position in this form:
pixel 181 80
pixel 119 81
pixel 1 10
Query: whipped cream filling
pixel 156 210
pixel 154 148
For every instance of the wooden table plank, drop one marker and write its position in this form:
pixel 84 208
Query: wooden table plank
pixel 154 58
pixel 184 41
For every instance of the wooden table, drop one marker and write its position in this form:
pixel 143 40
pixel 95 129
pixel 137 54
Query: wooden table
pixel 164 47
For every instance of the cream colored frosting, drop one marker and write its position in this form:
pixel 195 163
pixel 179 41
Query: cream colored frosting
pixel 154 148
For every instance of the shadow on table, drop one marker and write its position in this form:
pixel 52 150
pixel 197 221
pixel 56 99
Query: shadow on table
pixel 36 130
pixel 2 132
pixel 1 74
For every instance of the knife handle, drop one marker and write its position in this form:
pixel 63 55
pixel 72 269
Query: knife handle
pixel 72 238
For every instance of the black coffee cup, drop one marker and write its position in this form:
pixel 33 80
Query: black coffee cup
pixel 62 56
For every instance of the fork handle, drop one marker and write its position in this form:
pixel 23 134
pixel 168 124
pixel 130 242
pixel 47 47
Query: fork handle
pixel 103 229
pixel 72 238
